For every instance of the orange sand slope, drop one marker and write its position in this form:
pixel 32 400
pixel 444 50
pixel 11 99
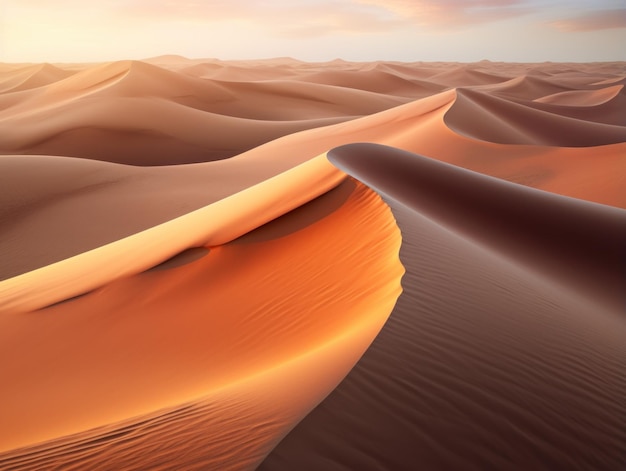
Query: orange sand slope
pixel 222 329
pixel 185 276
pixel 215 224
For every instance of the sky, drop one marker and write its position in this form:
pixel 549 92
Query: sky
pixel 314 30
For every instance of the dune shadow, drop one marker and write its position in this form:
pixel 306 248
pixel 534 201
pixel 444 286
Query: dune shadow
pixel 63 301
pixel 301 217
pixel 183 258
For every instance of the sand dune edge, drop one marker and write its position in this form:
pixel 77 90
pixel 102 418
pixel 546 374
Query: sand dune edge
pixel 215 224
pixel 487 360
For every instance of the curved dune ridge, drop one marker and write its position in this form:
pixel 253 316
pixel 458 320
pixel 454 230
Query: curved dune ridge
pixel 222 341
pixel 216 224
pixel 582 97
pixel 199 269
pixel 483 363
pixel 508 122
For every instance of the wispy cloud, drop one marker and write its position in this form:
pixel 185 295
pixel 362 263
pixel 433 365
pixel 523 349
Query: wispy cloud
pixel 306 18
pixel 314 29
pixel 452 14
pixel 333 18
pixel 309 18
pixel 593 21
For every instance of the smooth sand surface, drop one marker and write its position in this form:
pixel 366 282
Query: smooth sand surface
pixel 484 363
pixel 209 323
pixel 187 281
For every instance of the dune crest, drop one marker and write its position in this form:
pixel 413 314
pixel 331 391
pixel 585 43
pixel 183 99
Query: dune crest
pixel 213 225
pixel 505 122
pixel 573 241
pixel 482 363
pixel 582 97
pixel 225 349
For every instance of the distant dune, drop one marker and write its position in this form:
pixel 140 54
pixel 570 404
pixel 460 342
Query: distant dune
pixel 280 265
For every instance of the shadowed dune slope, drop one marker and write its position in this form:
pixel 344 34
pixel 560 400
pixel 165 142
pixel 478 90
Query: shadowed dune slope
pixel 114 112
pixel 497 120
pixel 527 87
pixel 464 75
pixel 575 242
pixel 132 131
pixel 582 97
pixel 483 364
pixel 375 80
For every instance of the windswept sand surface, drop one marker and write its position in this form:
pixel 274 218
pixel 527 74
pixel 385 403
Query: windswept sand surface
pixel 284 265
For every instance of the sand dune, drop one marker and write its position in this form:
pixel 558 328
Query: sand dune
pixel 600 106
pixel 507 122
pixel 527 87
pixel 32 77
pixel 582 97
pixel 213 225
pixel 130 131
pixel 227 346
pixel 496 362
pixel 575 242
pixel 108 111
pixel 465 75
pixel 186 282
pixel 376 80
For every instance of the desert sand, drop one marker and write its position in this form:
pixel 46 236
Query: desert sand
pixel 284 265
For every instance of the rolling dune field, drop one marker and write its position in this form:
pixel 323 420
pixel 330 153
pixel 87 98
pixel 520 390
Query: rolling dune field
pixel 283 265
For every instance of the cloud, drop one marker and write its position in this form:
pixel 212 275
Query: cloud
pixel 593 21
pixel 452 14
pixel 333 18
pixel 287 18
pixel 283 18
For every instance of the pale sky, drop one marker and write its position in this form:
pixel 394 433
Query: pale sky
pixel 313 30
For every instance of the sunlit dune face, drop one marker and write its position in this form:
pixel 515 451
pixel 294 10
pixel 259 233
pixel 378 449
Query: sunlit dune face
pixel 232 312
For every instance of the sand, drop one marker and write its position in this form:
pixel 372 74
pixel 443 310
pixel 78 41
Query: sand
pixel 285 265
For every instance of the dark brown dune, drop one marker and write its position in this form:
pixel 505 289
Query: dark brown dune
pixel 482 364
pixel 576 243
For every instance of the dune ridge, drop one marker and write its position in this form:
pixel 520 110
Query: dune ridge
pixel 215 224
pixel 258 345
pixel 582 97
pixel 573 241
pixel 480 382
pixel 524 124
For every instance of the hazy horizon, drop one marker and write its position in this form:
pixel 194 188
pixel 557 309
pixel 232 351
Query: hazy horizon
pixel 314 31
